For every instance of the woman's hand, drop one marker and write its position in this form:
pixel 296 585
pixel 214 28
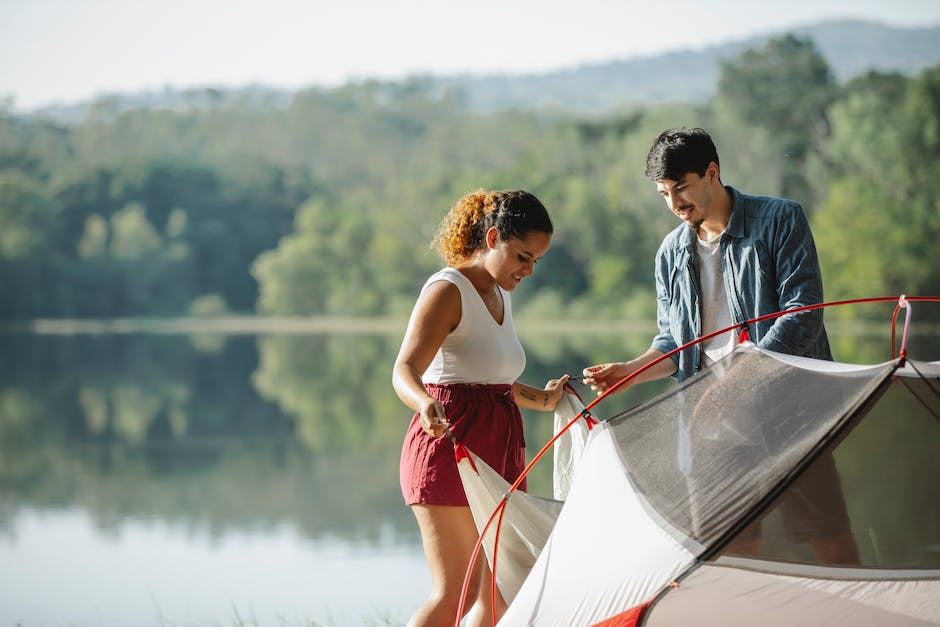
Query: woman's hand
pixel 554 390
pixel 433 420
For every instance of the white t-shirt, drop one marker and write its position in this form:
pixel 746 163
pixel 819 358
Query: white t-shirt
pixel 715 311
pixel 479 350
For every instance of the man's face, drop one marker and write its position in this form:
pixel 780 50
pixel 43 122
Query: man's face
pixel 690 198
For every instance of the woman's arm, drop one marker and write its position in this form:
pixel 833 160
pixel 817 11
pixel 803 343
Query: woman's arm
pixel 436 314
pixel 538 398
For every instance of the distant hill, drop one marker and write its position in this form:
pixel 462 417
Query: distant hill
pixel 851 47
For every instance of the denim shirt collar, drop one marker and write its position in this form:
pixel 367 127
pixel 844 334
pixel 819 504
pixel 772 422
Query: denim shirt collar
pixel 736 223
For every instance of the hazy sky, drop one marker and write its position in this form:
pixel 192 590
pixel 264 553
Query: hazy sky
pixel 68 50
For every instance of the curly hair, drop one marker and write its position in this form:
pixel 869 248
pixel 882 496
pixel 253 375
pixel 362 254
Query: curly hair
pixel 515 213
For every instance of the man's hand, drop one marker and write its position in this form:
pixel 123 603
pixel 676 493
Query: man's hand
pixel 605 376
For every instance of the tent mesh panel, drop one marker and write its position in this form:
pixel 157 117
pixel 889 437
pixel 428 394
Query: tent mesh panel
pixel 705 453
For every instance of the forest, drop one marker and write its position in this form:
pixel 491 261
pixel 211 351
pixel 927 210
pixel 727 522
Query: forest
pixel 325 204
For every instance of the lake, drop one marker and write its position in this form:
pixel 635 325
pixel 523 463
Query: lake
pixel 238 478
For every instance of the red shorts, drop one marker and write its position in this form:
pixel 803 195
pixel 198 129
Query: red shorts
pixel 485 419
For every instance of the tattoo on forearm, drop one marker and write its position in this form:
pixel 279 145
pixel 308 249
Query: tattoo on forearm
pixel 545 403
pixel 527 394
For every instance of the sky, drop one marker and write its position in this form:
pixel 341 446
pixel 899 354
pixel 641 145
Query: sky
pixel 65 51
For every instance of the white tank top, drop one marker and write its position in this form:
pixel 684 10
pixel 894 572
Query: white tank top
pixel 478 350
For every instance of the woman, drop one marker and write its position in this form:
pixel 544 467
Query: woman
pixel 457 369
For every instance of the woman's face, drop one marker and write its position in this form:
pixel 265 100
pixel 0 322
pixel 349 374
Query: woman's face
pixel 511 260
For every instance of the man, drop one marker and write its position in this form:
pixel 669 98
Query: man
pixel 734 258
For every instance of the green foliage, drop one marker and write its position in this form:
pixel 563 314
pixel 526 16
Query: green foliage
pixel 786 88
pixel 879 223
pixel 207 306
pixel 326 204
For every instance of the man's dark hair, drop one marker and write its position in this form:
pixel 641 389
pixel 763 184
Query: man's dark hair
pixel 678 151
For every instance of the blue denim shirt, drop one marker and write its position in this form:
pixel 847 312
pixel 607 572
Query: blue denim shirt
pixel 769 263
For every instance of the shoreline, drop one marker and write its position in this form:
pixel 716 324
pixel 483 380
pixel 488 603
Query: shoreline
pixel 255 325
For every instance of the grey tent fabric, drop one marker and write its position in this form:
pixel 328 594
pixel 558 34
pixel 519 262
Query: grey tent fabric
pixel 732 433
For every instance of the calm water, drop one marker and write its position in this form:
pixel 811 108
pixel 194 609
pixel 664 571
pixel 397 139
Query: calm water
pixel 154 479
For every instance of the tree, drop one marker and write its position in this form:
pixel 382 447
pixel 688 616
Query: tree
pixel 28 231
pixel 322 268
pixel 878 226
pixel 786 88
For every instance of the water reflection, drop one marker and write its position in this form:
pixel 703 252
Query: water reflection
pixel 61 569
pixel 173 479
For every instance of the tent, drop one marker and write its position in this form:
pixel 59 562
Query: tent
pixel 766 490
